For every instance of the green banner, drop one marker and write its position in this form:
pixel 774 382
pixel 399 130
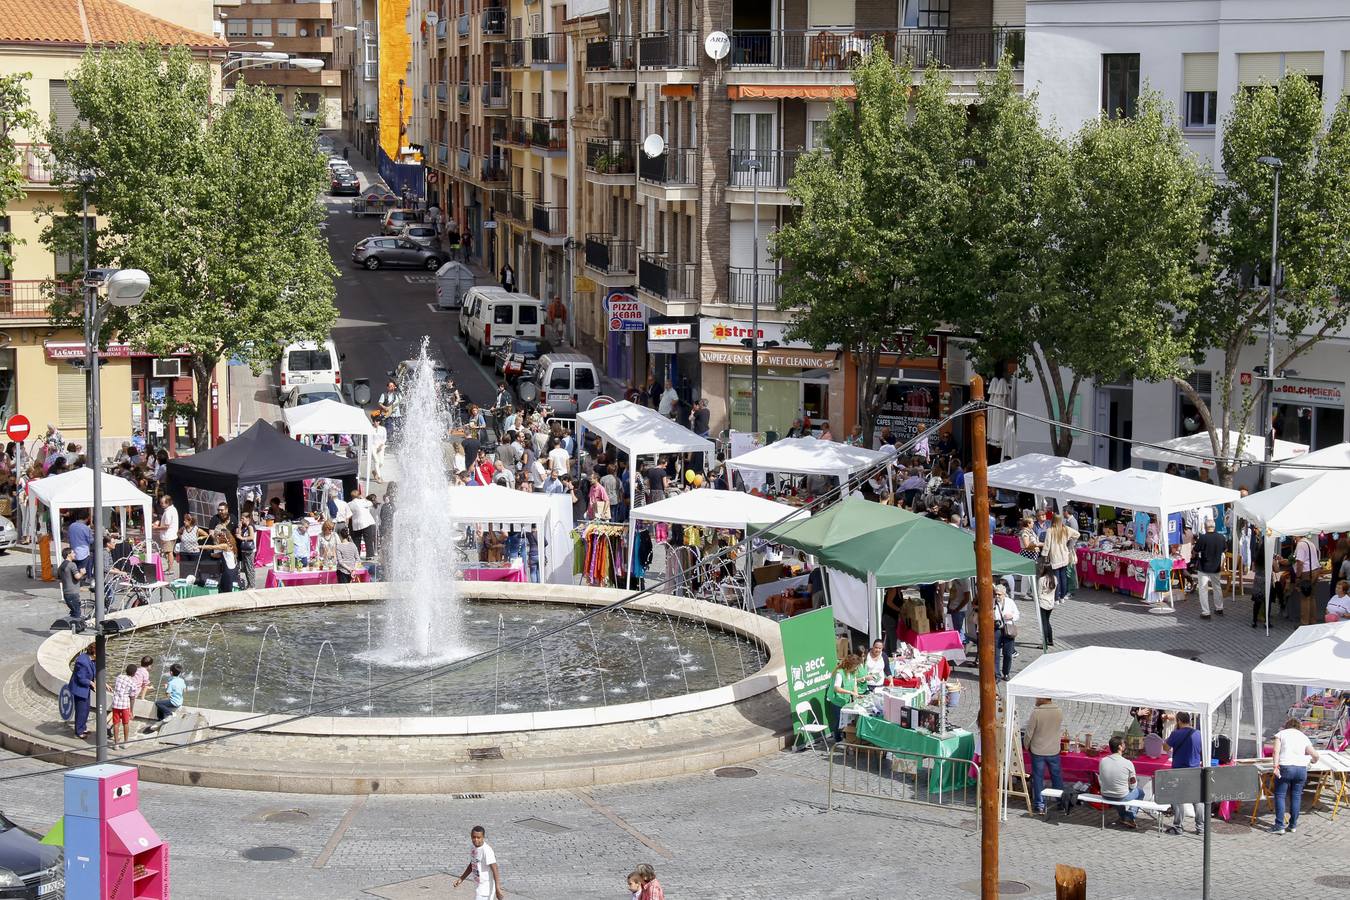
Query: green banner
pixel 809 657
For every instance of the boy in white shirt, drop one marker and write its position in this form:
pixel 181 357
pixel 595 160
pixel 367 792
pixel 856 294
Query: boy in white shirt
pixel 483 865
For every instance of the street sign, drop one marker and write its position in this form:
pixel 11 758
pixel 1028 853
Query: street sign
pixel 18 428
pixel 1237 783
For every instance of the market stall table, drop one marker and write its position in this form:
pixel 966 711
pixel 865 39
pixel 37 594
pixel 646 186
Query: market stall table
pixel 954 752
pixel 493 573
pixel 1331 771
pixel 1080 766
pixel 1124 571
pixel 949 644
pixel 1010 542
pixel 310 576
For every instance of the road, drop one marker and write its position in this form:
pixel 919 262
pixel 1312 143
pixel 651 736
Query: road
pixel 384 315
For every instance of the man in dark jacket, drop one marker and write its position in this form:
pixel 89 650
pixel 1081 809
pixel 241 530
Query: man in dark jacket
pixel 1207 559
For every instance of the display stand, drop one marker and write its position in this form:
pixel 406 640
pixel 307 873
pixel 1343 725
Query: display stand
pixel 1018 783
pixel 111 852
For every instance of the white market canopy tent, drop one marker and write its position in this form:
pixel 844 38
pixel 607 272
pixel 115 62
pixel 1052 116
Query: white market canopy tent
pixel 1043 475
pixel 809 456
pixel 492 504
pixel 639 431
pixel 1198 450
pixel 75 490
pixel 1327 459
pixel 1120 677
pixel 1152 492
pixel 716 509
pixel 330 417
pixel 1316 656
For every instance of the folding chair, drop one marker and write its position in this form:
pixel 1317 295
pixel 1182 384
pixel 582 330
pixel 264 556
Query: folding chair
pixel 810 727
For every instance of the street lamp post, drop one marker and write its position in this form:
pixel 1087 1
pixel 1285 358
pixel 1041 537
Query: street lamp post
pixel 752 166
pixel 1269 428
pixel 122 287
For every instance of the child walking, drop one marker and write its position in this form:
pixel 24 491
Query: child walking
pixel 483 866
pixel 123 689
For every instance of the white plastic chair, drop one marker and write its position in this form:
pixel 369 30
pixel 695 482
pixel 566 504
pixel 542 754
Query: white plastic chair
pixel 810 727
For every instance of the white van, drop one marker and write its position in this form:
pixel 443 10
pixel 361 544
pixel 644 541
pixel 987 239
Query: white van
pixel 566 382
pixel 494 316
pixel 469 305
pixel 308 362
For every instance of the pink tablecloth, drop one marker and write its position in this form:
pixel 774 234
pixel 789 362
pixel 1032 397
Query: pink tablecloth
pixel 511 573
pixel 948 643
pixel 1114 572
pixel 1010 542
pixel 323 576
pixel 264 554
pixel 1081 767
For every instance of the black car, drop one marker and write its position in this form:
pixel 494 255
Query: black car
pixel 345 182
pixel 517 356
pixel 29 869
pixel 378 251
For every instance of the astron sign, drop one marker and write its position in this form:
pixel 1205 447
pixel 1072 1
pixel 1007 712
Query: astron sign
pixel 730 332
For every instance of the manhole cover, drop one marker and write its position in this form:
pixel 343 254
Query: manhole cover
pixel 1333 881
pixel 1184 653
pixel 1005 888
pixel 485 753
pixel 544 826
pixel 287 816
pixel 269 854
pixel 735 772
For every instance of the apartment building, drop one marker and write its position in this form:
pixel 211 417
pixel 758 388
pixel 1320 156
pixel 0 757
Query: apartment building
pixel 675 229
pixel 40 366
pixel 303 28
pixel 356 57
pixel 1087 58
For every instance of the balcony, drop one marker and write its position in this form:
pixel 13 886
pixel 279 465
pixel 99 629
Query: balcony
pixel 668 50
pixel 611 161
pixel 493 21
pixel 465 161
pixel 519 208
pixel 670 176
pixel 548 137
pixel 464 94
pixel 548 51
pixel 514 56
pixel 442 93
pixel 297 10
pixel 29 299
pixel 612 54
pixel 669 281
pixel 292 77
pixel 35 163
pixel 494 97
pixel 492 171
pixel 742 281
pixel 770 182
pixel 550 223
pixel 462 27
pixel 302 46
pixel 514 133
pixel 609 254
pixel 837 51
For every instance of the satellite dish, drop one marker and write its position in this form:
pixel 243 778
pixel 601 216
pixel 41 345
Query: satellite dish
pixel 432 19
pixel 654 146
pixel 717 45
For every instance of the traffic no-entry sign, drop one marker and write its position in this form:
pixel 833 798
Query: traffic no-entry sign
pixel 18 428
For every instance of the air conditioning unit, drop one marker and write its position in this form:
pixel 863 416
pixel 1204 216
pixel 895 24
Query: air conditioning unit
pixel 958 364
pixel 167 368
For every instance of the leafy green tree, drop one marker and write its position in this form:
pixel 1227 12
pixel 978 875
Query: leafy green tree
pixel 1081 253
pixel 1285 121
pixel 861 254
pixel 217 202
pixel 15 117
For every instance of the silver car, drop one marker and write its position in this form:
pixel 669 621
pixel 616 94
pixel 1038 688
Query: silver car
pixel 9 535
pixel 422 234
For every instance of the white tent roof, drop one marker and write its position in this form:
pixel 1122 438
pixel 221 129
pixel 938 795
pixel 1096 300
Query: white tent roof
pixel 1155 492
pixel 1044 475
pixel 1313 656
pixel 1123 677
pixel 75 488
pixel 327 417
pixel 498 505
pixel 1306 506
pixel 1198 450
pixel 1315 463
pixel 808 456
pixel 640 431
pixel 715 509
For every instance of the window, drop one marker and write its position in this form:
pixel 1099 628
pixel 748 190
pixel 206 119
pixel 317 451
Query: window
pixel 585 379
pixel 501 315
pixel 1267 68
pixel 308 361
pixel 236 27
pixel 1120 84
pixel 830 13
pixel 529 315
pixel 4 229
pixel 69 259
pixel 1188 415
pixel 815 133
pixel 285 28
pixel 1200 108
pixel 62 106
pixel 560 379
pixel 1200 82
pixel 262 27
pixel 927 13
pixel 71 405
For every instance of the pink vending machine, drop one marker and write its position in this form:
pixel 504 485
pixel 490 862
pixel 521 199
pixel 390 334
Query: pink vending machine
pixel 112 853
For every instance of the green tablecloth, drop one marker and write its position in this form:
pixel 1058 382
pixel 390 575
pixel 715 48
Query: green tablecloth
pixel 944 776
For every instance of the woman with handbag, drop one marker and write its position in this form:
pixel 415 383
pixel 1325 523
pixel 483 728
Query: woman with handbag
pixel 1006 615
pixel 1059 553
pixel 246 536
pixel 1045 600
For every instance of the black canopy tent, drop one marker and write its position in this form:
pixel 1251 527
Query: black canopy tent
pixel 261 455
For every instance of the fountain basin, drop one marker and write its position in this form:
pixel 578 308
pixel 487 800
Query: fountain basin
pixel 554 748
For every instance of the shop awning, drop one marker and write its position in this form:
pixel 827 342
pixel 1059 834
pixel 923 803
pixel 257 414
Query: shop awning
pixel 791 92
pixel 1198 450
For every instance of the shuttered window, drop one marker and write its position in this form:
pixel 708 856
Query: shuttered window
pixel 1345 67
pixel 1201 71
pixel 70 399
pixel 1010 12
pixel 1258 68
pixel 1308 63
pixel 62 107
pixel 830 14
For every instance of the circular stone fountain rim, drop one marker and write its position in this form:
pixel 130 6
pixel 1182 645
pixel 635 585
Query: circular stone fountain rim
pixel 52 665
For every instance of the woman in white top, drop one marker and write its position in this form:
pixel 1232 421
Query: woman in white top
pixel 327 545
pixel 1292 753
pixel 875 664
pixel 1006 615
pixel 223 541
pixel 1339 604
pixel 1059 554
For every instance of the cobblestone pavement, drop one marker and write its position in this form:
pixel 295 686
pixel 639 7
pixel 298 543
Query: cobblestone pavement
pixel 708 837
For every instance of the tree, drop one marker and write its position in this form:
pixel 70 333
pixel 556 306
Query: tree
pixel 860 255
pixel 1081 253
pixel 15 117
pixel 218 203
pixel 1285 121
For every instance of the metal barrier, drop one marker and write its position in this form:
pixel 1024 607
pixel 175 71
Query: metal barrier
pixel 862 770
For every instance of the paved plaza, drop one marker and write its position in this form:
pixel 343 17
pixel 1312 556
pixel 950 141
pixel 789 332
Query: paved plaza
pixel 767 835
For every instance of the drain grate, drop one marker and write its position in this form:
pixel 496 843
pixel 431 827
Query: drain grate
pixel 485 753
pixel 270 854
pixel 1333 881
pixel 287 816
pixel 466 796
pixel 735 772
pixel 543 825
pixel 1185 653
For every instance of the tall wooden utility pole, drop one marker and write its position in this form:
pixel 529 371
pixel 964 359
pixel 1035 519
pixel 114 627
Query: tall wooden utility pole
pixel 984 587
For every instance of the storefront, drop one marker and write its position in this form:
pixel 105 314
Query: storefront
pixel 626 324
pixel 915 391
pixel 673 353
pixel 1310 412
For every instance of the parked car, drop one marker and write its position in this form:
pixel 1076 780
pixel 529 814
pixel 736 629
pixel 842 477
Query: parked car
pixel 337 162
pixel 344 181
pixel 395 219
pixel 421 234
pixel 566 382
pixel 308 362
pixel 29 869
pixel 9 535
pixel 516 357
pixel 302 394
pixel 377 252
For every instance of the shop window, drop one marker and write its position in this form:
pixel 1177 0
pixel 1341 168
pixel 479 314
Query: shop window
pixel 1120 84
pixel 71 406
